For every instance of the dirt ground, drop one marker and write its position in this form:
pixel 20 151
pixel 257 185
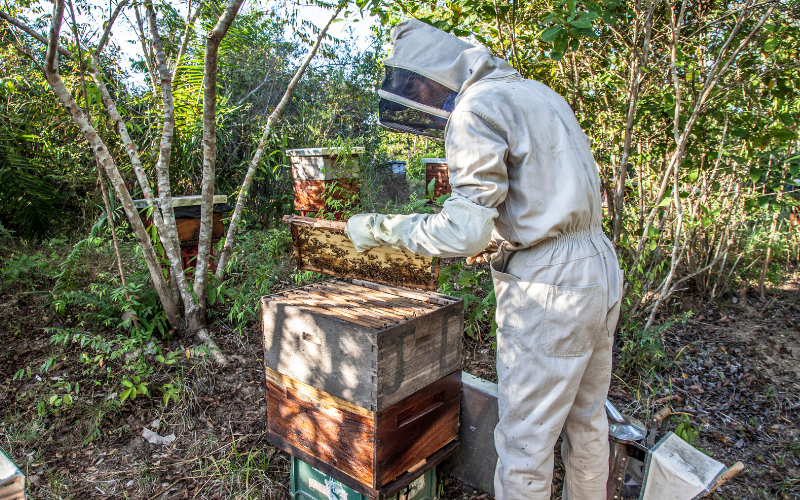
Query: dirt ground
pixel 735 373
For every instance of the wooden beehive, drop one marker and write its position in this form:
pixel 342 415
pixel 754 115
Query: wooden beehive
pixel 324 174
pixel 363 372
pixel 369 344
pixel 367 450
pixel 436 168
pixel 322 246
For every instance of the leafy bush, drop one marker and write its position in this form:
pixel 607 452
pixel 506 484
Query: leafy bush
pixel 476 289
pixel 253 271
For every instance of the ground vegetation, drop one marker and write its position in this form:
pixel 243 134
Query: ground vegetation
pixel 692 110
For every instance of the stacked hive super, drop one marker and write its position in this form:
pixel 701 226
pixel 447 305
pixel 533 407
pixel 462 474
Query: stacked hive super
pixel 324 178
pixel 363 377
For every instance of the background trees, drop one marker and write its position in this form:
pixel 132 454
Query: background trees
pixel 692 108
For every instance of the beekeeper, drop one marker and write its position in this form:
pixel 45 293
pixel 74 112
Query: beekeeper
pixel 523 176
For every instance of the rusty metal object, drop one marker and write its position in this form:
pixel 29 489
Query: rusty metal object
pixel 617 464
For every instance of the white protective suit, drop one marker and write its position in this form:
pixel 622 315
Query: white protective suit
pixel 519 165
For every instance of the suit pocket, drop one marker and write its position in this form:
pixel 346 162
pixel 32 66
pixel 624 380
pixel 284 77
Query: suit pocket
pixel 507 292
pixel 572 317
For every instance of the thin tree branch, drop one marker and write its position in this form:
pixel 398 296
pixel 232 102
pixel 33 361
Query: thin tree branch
pixel 104 157
pixel 104 37
pixel 145 53
pixel 167 134
pixel 32 32
pixel 259 153
pixel 50 57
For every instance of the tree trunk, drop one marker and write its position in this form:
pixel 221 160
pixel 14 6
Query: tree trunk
pixel 251 170
pixel 104 157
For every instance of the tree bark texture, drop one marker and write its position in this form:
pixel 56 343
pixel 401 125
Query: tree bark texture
pixel 717 71
pixel 104 157
pixel 167 134
pixel 213 40
pixel 259 153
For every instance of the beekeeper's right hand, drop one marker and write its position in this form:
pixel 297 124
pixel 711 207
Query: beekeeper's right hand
pixel 485 255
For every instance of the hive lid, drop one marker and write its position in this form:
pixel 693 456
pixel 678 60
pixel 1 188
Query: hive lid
pixel 183 201
pixel 324 151
pixel 322 246
pixel 434 160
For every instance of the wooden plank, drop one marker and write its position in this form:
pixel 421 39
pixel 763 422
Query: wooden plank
pixel 342 439
pixel 403 480
pixel 432 297
pixel 417 426
pixel 352 302
pixel 323 246
pixel 415 354
pixel 369 293
pixel 323 398
pixel 326 352
pixel 324 467
pixel 339 312
pixel 311 195
pixel 189 229
pixel 321 310
pixel 365 298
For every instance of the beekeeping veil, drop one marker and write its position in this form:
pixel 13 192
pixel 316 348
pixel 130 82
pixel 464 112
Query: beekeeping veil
pixel 425 73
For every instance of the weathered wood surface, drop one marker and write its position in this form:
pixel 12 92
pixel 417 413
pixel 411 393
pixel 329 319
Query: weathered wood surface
pixel 322 246
pixel 372 449
pixel 416 427
pixel 324 427
pixel 416 353
pixel 324 167
pixel 440 172
pixel 189 229
pixel 370 347
pixel 329 352
pixel 311 195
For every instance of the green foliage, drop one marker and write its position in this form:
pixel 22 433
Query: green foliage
pixel 133 387
pixel 476 289
pixel 642 349
pixel 686 431
pixel 253 270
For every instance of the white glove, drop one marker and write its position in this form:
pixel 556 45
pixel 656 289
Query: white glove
pixel 368 231
pixel 359 230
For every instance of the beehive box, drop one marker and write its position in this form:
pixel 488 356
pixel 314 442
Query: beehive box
pixel 187 217
pixel 362 377
pixel 366 343
pixel 322 174
pixel 436 168
pixel 322 246
pixel 310 483
pixel 371 452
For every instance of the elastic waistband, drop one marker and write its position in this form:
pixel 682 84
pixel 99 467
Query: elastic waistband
pixel 567 238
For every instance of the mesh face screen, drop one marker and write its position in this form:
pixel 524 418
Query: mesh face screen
pixel 404 119
pixel 413 86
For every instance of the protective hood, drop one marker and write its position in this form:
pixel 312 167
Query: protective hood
pixel 424 75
